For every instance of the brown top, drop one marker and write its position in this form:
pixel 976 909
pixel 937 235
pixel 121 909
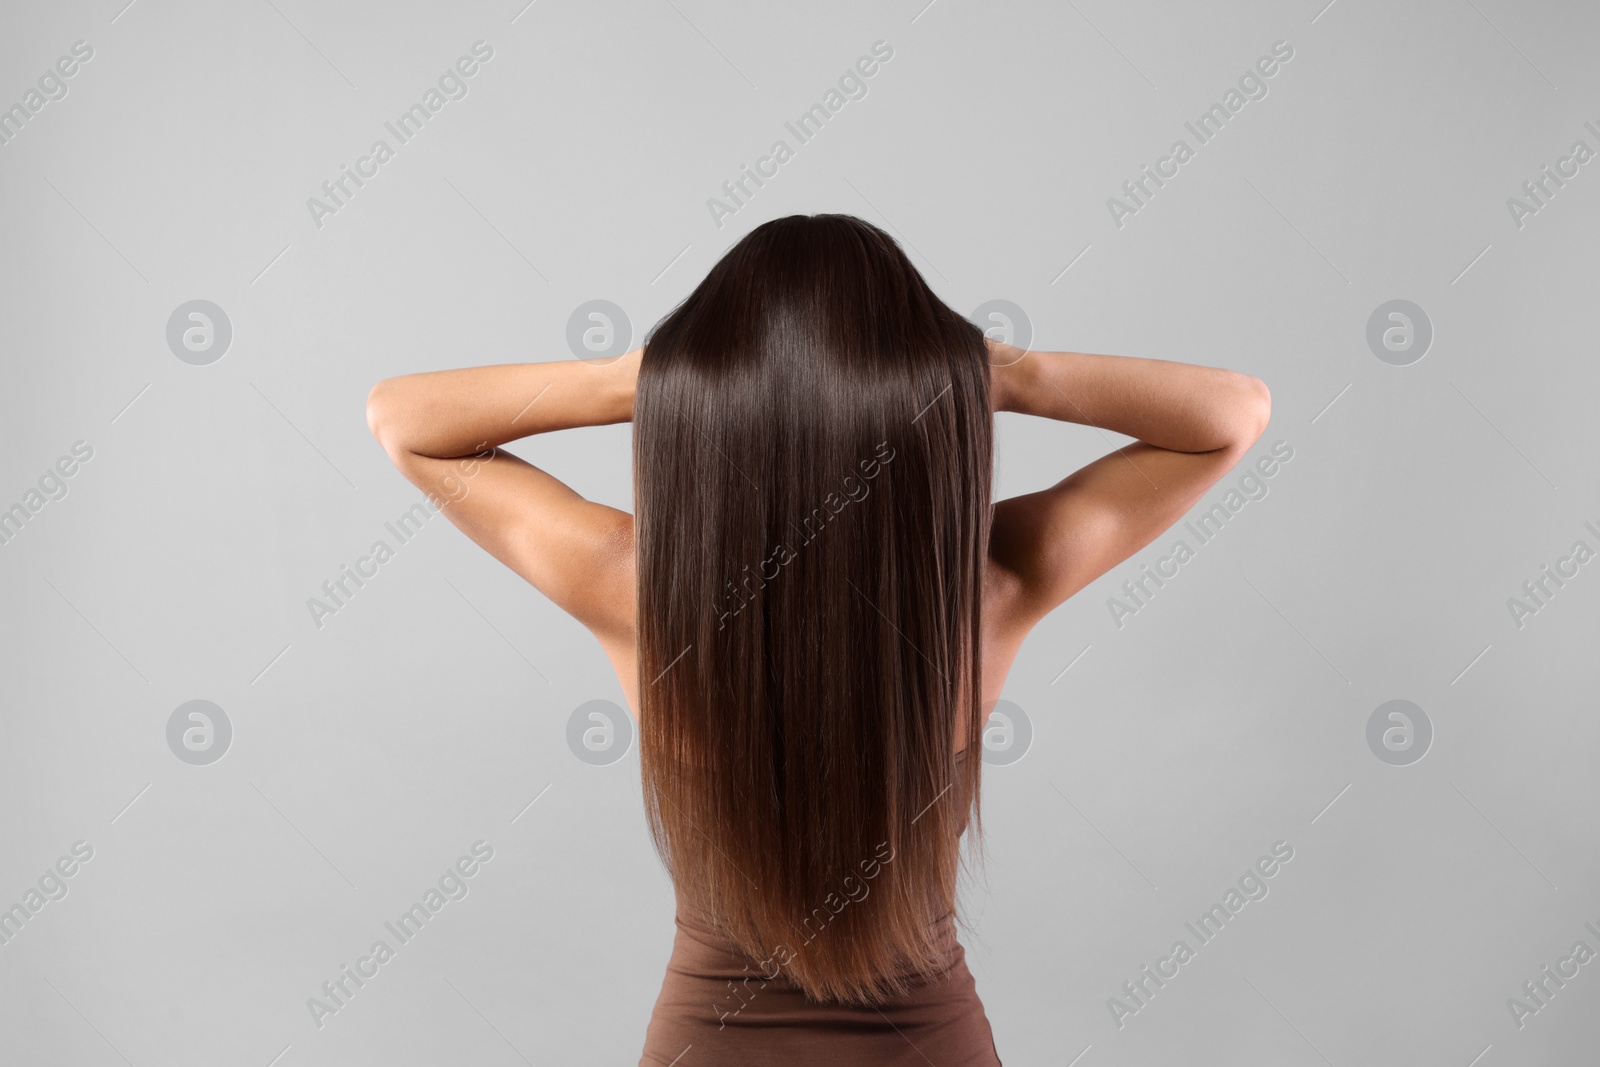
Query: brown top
pixel 716 1008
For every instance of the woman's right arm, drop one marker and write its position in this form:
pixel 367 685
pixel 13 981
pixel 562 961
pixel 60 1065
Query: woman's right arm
pixel 1192 425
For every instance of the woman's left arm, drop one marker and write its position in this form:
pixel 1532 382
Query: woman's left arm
pixel 442 430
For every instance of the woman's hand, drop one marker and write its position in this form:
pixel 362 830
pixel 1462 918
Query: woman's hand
pixel 1005 368
pixel 627 369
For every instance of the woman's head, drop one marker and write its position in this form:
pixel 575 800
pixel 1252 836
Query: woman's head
pixel 812 454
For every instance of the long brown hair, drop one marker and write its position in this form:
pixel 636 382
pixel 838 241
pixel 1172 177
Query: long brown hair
pixel 813 450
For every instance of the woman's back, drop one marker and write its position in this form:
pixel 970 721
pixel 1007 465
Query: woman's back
pixel 718 1006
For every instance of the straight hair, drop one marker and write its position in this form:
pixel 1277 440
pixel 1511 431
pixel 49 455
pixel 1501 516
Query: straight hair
pixel 813 455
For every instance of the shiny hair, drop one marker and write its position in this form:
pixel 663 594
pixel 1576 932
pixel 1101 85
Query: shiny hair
pixel 813 453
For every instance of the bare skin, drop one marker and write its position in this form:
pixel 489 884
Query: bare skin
pixel 1192 425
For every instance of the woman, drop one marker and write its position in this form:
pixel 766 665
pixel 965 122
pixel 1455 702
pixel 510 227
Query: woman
pixel 815 606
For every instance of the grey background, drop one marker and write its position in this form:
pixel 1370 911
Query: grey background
pixel 369 754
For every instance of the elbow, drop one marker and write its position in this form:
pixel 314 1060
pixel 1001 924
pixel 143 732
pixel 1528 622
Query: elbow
pixel 1263 404
pixel 380 412
pixel 1253 409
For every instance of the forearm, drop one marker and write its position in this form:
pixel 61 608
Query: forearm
pixel 453 413
pixel 1176 406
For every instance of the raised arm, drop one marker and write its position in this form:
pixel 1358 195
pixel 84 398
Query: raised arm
pixel 442 430
pixel 1192 425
